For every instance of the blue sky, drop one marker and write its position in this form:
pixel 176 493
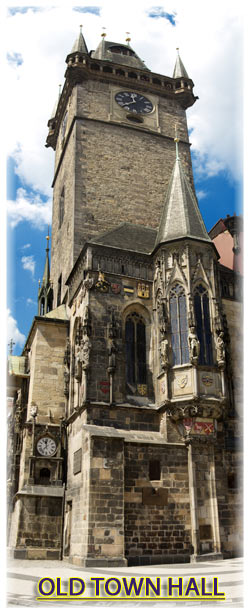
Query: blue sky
pixel 36 65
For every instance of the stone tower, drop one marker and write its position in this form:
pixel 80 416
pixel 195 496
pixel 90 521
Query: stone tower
pixel 112 133
pixel 127 412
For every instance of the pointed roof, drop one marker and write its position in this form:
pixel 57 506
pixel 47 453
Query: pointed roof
pixel 79 44
pixel 179 69
pixel 181 217
pixel 46 273
pixel 119 53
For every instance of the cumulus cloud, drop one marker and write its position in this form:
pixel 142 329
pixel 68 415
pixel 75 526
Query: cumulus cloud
pixel 210 49
pixel 30 208
pixel 29 264
pixel 12 330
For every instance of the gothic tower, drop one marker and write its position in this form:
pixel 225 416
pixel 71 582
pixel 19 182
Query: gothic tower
pixel 112 133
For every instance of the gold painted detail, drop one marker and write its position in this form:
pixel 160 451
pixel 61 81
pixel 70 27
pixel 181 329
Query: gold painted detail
pixel 207 380
pixel 142 389
pixel 143 290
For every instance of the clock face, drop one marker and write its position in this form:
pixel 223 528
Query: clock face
pixel 135 103
pixel 46 446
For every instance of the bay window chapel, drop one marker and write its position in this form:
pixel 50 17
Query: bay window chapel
pixel 179 324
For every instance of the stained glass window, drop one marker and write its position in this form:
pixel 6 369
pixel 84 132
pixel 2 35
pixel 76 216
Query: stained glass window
pixel 202 315
pixel 179 328
pixel 135 335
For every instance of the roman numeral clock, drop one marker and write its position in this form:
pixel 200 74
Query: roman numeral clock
pixel 130 106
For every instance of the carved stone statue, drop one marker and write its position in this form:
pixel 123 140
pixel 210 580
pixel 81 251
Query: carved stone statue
pixel 85 351
pixel 220 348
pixel 164 353
pixel 78 366
pixel 194 345
pixel 112 353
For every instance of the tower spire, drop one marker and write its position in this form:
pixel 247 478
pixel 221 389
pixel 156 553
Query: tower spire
pixel 181 217
pixel 80 44
pixel 179 69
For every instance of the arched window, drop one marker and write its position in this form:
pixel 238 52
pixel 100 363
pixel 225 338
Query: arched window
pixel 202 316
pixel 135 336
pixel 61 208
pixel 44 477
pixel 179 328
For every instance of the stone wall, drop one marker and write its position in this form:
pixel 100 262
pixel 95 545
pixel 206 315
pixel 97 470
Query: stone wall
pixel 160 532
pixel 46 367
pixel 39 528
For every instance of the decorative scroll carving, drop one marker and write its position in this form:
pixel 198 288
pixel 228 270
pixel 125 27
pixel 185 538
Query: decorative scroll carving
pixel 66 362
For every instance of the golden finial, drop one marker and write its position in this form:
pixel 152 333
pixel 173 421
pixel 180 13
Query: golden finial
pixel 128 39
pixel 80 28
pixel 104 33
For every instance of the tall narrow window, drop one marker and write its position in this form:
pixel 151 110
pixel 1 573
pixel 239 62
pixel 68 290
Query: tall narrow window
pixel 179 328
pixel 135 335
pixel 61 208
pixel 59 291
pixel 201 308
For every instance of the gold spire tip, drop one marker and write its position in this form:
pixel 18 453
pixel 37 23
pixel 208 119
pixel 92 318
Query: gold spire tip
pixel 80 28
pixel 104 33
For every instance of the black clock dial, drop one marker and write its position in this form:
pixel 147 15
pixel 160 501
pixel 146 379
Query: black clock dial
pixel 134 103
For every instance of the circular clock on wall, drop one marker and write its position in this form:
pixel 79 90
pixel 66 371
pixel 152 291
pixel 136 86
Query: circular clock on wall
pixel 46 446
pixel 135 103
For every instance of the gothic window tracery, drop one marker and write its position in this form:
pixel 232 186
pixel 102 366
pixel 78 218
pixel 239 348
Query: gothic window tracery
pixel 135 337
pixel 202 316
pixel 179 325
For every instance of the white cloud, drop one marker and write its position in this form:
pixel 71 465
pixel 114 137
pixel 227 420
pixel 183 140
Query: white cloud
pixel 26 246
pixel 30 208
pixel 29 264
pixel 201 194
pixel 210 47
pixel 30 302
pixel 12 330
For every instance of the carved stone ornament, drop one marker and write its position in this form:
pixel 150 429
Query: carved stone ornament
pixel 102 284
pixel 203 412
pixel 87 284
pixel 220 348
pixel 182 381
pixel 194 345
pixel 162 316
pixel 164 353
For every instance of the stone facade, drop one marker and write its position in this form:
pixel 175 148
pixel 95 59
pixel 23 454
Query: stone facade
pixel 127 424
